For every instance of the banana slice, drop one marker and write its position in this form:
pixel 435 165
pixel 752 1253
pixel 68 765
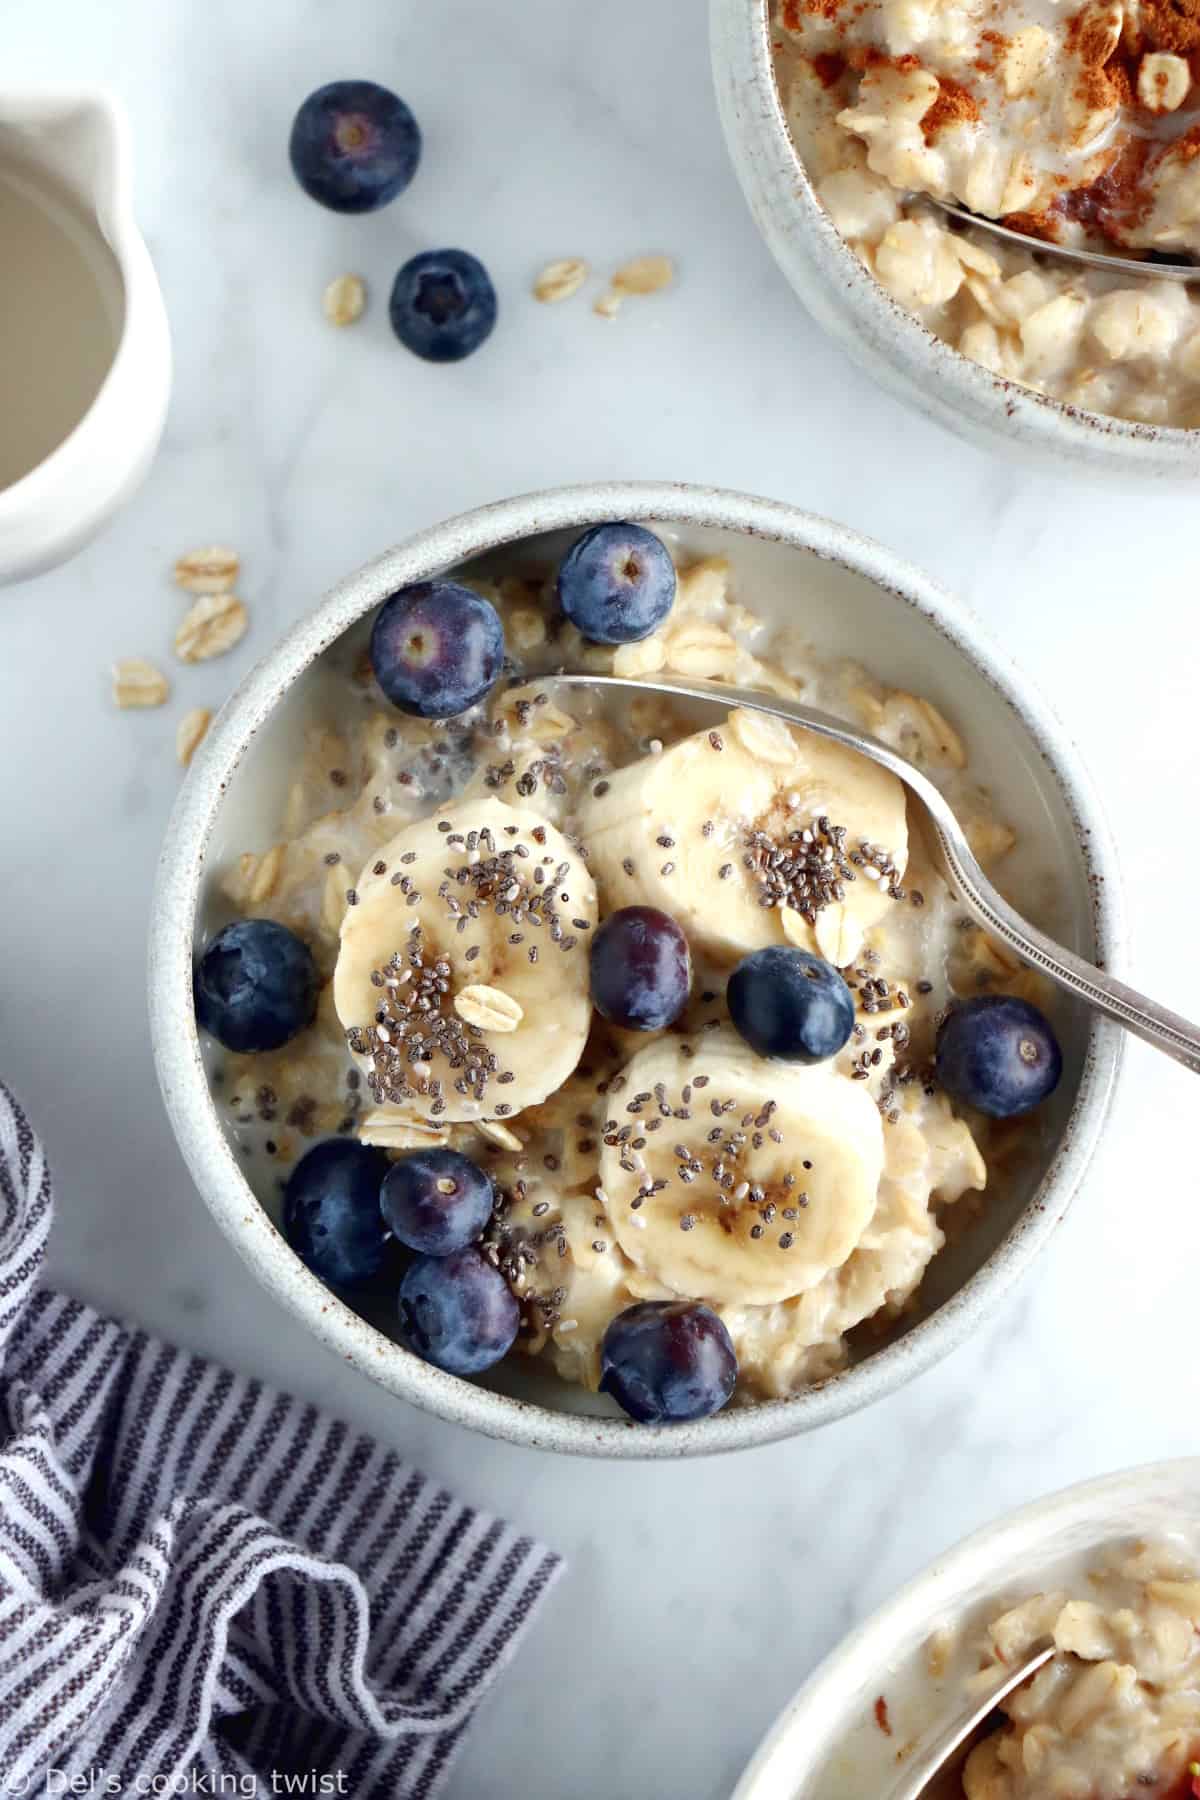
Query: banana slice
pixel 462 974
pixel 730 1179
pixel 749 835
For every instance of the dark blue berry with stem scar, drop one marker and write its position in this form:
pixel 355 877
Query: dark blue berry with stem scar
pixel 998 1054
pixel 443 305
pixel 457 1312
pixel 436 648
pixel 790 1005
pixel 331 1214
pixel 667 1361
pixel 641 969
pixel 437 1201
pixel 255 985
pixel 616 583
pixel 354 146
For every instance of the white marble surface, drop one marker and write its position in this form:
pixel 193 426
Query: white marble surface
pixel 698 1596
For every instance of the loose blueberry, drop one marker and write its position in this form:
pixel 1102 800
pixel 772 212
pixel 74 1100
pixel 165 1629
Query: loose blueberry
pixel 617 583
pixel 354 146
pixel 666 1361
pixel 437 1201
pixel 436 648
pixel 331 1214
pixel 999 1054
pixel 457 1312
pixel 443 305
pixel 641 969
pixel 790 1005
pixel 255 985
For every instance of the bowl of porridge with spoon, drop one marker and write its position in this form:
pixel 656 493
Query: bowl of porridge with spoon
pixel 1107 1575
pixel 601 1073
pixel 853 123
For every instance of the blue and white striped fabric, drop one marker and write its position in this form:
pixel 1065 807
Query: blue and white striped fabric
pixel 210 1587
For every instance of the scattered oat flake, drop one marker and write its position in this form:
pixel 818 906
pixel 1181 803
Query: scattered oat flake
pixel 559 280
pixel 344 299
pixel 190 731
pixel 210 571
pixel 213 625
pixel 137 682
pixel 608 305
pixel 644 275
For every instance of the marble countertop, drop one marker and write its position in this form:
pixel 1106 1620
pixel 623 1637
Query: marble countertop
pixel 697 1598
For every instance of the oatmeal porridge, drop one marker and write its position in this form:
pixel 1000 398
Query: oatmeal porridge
pixel 1071 123
pixel 460 883
pixel 1117 1711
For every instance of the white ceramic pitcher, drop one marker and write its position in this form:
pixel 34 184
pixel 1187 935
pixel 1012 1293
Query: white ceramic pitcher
pixel 74 147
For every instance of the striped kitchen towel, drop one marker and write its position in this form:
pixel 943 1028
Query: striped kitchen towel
pixel 207 1587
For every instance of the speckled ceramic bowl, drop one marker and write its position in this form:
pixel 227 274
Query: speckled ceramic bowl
pixel 850 597
pixel 827 1745
pixel 882 336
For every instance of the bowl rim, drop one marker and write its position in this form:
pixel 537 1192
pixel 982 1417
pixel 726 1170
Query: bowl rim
pixel 176 1045
pixel 1000 1545
pixel 894 345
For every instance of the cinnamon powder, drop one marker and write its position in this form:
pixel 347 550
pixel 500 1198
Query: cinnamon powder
pixel 954 104
pixel 1172 25
pixel 828 67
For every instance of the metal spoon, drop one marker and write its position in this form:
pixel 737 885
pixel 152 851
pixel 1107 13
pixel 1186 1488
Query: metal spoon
pixel 946 1753
pixel 1094 259
pixel 1165 1030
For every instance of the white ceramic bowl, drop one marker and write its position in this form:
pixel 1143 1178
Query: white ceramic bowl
pixel 851 597
pixel 882 336
pixel 826 1744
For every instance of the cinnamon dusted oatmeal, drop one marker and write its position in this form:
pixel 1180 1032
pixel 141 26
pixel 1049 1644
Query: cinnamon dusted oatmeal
pixel 450 878
pixel 1077 123
pixel 1117 1710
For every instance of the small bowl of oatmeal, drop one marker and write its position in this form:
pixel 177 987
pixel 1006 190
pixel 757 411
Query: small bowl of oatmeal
pixel 1079 126
pixel 570 1063
pixel 1108 1570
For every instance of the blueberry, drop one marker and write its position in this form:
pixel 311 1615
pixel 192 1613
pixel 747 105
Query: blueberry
pixel 255 985
pixel 436 648
pixel 641 969
pixel 457 1312
pixel 437 1201
pixel 443 305
pixel 331 1214
pixel 998 1054
pixel 666 1361
pixel 790 1005
pixel 354 146
pixel 617 583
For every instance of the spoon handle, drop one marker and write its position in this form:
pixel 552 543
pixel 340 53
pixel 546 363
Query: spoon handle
pixel 1124 266
pixel 933 1756
pixel 1166 1030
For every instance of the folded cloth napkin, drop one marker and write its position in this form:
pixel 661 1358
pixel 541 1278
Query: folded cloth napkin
pixel 209 1587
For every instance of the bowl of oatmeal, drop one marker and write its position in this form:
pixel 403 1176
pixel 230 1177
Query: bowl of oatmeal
pixel 1077 124
pixel 1110 1571
pixel 669 986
